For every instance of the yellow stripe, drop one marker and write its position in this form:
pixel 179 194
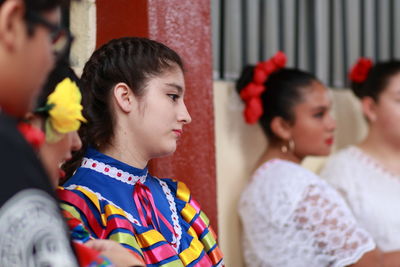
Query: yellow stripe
pixel 95 201
pixel 192 232
pixel 175 263
pixel 71 210
pixel 149 238
pixel 192 252
pixel 112 210
pixel 126 239
pixel 204 217
pixel 188 212
pixel 183 192
pixel 208 241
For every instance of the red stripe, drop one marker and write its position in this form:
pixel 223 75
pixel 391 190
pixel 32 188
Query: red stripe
pixel 86 256
pixel 118 223
pixel 199 226
pixel 79 203
pixel 204 262
pixel 71 220
pixel 158 254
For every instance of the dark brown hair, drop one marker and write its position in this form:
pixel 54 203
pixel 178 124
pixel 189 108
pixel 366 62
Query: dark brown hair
pixel 377 80
pixel 283 91
pixel 131 60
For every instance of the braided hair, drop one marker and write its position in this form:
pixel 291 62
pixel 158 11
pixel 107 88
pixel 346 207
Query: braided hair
pixel 130 60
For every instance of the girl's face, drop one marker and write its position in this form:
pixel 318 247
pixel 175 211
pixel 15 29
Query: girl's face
pixel 53 155
pixel 384 114
pixel 158 122
pixel 313 129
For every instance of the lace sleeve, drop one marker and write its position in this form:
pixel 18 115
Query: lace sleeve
pixel 324 221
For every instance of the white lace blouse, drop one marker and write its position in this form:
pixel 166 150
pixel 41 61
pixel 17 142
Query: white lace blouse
pixel 372 193
pixel 291 217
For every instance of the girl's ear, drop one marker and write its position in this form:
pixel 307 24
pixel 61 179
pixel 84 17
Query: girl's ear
pixel 124 97
pixel 281 128
pixel 368 106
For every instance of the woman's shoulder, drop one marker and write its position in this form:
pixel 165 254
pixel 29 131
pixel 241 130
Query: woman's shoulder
pixel 277 185
pixel 344 157
pixel 279 171
pixel 345 162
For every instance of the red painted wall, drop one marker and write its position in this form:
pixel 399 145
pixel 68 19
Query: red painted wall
pixel 119 18
pixel 185 26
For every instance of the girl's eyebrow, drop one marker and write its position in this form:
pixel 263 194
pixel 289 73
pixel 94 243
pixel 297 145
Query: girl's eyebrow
pixel 176 86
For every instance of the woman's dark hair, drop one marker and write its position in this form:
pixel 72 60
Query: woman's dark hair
pixel 283 91
pixel 130 60
pixel 377 80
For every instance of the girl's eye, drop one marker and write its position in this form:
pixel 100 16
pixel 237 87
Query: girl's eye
pixel 174 97
pixel 319 114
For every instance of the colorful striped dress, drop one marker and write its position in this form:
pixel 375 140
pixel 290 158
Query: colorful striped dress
pixel 157 219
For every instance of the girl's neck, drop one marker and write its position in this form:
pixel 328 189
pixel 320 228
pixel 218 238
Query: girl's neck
pixel 380 148
pixel 275 152
pixel 126 152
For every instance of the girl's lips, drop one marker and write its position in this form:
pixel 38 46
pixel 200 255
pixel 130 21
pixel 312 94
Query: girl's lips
pixel 178 132
pixel 329 141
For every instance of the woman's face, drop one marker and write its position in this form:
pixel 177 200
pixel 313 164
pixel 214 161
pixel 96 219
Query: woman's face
pixel 158 122
pixel 384 115
pixel 53 155
pixel 313 129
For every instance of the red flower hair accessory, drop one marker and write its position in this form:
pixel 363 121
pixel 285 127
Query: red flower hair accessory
pixel 252 92
pixel 360 70
pixel 34 136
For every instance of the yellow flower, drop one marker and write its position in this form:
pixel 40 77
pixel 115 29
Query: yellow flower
pixel 66 112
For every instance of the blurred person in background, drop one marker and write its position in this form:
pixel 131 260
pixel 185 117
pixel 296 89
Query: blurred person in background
pixel 368 174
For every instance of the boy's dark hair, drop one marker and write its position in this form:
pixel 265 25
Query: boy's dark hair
pixel 40 5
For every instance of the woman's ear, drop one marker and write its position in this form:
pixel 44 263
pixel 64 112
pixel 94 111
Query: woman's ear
pixel 281 128
pixel 123 97
pixel 368 105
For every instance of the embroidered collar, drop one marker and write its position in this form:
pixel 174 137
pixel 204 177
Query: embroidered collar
pixel 113 168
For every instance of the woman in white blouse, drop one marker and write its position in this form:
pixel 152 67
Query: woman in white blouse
pixel 290 216
pixel 368 174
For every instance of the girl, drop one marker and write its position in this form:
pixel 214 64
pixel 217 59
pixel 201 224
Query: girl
pixel 134 90
pixel 58 113
pixel 368 174
pixel 290 216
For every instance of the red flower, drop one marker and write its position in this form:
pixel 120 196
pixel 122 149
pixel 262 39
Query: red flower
pixel 360 70
pixel 269 67
pixel 259 75
pixel 33 135
pixel 253 110
pixel 252 92
pixel 279 59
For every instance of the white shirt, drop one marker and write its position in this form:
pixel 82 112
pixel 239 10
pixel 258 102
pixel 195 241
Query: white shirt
pixel 372 193
pixel 292 218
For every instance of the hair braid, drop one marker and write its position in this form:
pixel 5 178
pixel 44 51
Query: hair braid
pixel 131 60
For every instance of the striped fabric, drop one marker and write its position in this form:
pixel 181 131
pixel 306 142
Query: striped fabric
pixel 100 205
